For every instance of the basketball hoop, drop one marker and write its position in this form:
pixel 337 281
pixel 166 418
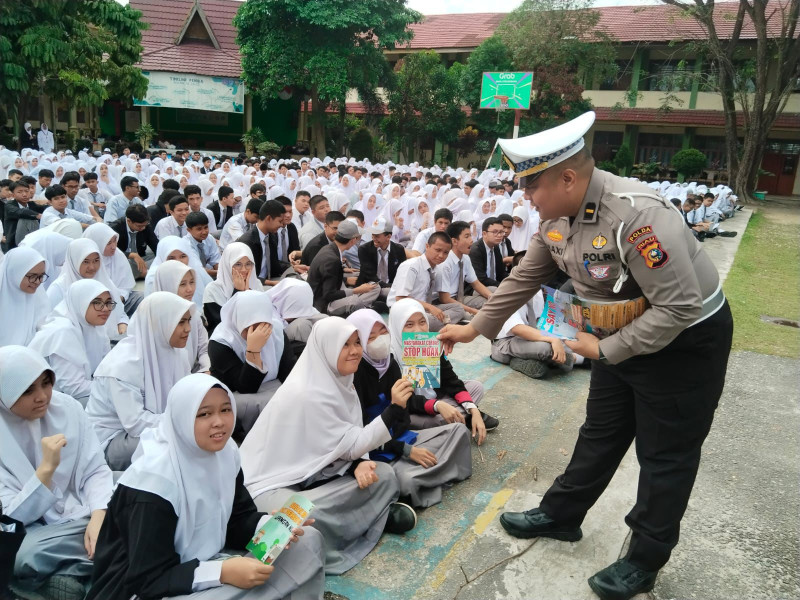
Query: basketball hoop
pixel 502 102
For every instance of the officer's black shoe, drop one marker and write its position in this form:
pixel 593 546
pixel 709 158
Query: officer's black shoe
pixel 727 233
pixel 534 523
pixel 621 581
pixel 491 423
pixel 402 518
pixel 535 369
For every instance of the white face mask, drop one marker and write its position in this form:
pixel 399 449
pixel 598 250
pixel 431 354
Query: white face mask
pixel 378 349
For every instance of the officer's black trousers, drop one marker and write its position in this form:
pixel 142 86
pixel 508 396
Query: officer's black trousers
pixel 665 401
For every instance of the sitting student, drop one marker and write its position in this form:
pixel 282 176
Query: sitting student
pixel 332 220
pixel 326 276
pixel 709 218
pixel 182 507
pixel 315 419
pixel 521 232
pixel 293 302
pixel 319 208
pixel 194 196
pixel 455 401
pixel 485 254
pixel 175 223
pixel 131 383
pixel 21 216
pixel 441 221
pixel 250 354
pixel 22 295
pixel 459 283
pixel 159 210
pixel 418 278
pixel 74 340
pixel 177 278
pixel 57 196
pixel 263 243
pixel 174 248
pixel 97 197
pixel 204 246
pixel 506 249
pixel 288 243
pixel 301 214
pixel 380 259
pixel 240 224
pixel 224 208
pixel 52 246
pixel 527 349
pixel 236 273
pixel 115 264
pixel 422 461
pixel 53 478
pixel 117 205
pixel 83 262
pixel 135 237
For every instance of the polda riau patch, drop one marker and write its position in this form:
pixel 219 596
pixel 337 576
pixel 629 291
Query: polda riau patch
pixel 646 230
pixel 654 255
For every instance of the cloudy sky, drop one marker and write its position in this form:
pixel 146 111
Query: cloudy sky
pixel 438 7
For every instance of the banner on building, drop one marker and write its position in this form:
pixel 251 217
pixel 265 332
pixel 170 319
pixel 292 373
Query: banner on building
pixel 186 90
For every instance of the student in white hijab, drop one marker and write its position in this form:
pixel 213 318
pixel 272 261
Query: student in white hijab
pixel 74 340
pixel 250 354
pixel 52 246
pixel 83 262
pixel 315 418
pixel 23 300
pixel 177 278
pixel 116 264
pixel 423 461
pixel 236 273
pixel 68 227
pixel 182 506
pixel 173 247
pixel 52 478
pixel 520 236
pixel 293 301
pixel 455 401
pixel 130 388
pixel 45 139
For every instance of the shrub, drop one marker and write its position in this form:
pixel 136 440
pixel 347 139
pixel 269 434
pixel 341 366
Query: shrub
pixel 624 159
pixel 361 145
pixel 608 165
pixel 689 162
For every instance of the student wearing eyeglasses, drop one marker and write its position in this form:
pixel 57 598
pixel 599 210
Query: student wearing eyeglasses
pixel 22 295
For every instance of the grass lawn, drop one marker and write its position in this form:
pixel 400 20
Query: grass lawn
pixel 765 280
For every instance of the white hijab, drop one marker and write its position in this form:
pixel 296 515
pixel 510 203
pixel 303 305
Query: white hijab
pixel 51 245
pixel 314 417
pixel 200 485
pixel 240 312
pixel 116 266
pixel 21 441
pixel 22 312
pixel 292 299
pixel 145 358
pixel 68 227
pixel 165 247
pixel 520 236
pixel 401 312
pixel 220 290
pixel 364 320
pixel 69 335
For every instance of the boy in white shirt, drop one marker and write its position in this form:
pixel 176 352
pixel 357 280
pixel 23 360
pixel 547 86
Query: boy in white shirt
pixel 175 223
pixel 57 196
pixel 203 245
pixel 459 283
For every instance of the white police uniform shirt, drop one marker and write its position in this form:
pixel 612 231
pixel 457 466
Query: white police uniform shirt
pixel 413 280
pixel 449 273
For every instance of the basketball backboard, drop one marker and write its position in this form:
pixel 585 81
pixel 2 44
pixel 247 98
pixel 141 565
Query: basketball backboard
pixel 506 90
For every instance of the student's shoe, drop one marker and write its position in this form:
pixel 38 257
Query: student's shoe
pixel 402 518
pixel 727 233
pixel 701 236
pixel 61 587
pixel 739 206
pixel 535 369
pixel 379 306
pixel 491 423
pixel 534 523
pixel 622 580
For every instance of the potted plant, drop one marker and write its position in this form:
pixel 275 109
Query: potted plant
pixel 145 134
pixel 689 162
pixel 268 149
pixel 252 139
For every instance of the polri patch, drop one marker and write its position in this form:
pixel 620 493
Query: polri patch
pixel 654 255
pixel 555 235
pixel 599 271
pixel 599 242
pixel 647 229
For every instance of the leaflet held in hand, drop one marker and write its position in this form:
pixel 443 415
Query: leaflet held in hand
pixel 421 352
pixel 271 539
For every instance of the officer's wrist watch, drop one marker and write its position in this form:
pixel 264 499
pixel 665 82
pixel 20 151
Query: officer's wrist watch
pixel 600 356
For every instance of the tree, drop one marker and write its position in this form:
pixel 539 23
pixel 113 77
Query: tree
pixel 491 56
pixel 82 51
pixel 689 162
pixel 425 100
pixel 322 48
pixel 361 143
pixel 559 41
pixel 624 159
pixel 755 79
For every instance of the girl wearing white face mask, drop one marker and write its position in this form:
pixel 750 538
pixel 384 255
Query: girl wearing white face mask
pixel 425 460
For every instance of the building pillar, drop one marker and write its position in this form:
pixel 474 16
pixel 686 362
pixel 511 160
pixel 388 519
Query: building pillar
pixel 248 113
pixel 639 63
pixel 145 115
pixel 630 138
pixel 697 71
pixel 73 120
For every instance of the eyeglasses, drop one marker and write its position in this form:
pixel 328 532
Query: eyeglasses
pixel 99 305
pixel 240 266
pixel 33 279
pixel 496 231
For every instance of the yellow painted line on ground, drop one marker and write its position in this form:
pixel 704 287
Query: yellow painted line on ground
pixel 482 521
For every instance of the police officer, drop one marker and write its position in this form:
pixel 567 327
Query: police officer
pixel 659 298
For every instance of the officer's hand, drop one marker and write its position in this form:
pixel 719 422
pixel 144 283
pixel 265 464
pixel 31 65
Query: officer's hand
pixel 586 345
pixel 450 335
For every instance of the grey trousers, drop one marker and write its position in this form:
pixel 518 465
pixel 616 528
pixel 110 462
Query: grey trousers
pixel 49 550
pixel 249 406
pixel 299 575
pixel 504 349
pixel 132 302
pixel 455 312
pixel 350 519
pixel 120 451
pixel 300 329
pixel 345 306
pixel 475 389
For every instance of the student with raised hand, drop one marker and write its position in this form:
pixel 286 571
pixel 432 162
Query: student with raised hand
pixel 314 421
pixel 52 478
pixel 23 299
pixel 177 278
pixel 73 340
pixel 250 354
pixel 293 301
pixel 180 515
pixel 423 461
pixel 131 383
pixel 455 401
pixel 236 273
